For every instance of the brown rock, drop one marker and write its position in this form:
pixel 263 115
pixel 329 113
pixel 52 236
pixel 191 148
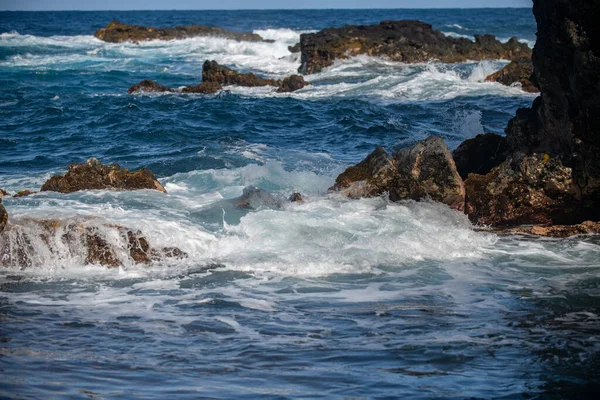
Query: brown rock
pixel 534 189
pixel 213 72
pixel 117 32
pixel 203 88
pixel 3 218
pixel 480 154
pixel 370 177
pixel 427 170
pixel 560 231
pixel 24 193
pixel 92 175
pixel 517 71
pixel 3 193
pixel 405 41
pixel 292 83
pixel 148 86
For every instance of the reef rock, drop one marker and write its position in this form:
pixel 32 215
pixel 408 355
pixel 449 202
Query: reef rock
pixel 533 189
pixel 92 175
pixel 480 154
pixel 203 88
pixel 292 83
pixel 427 170
pixel 3 218
pixel 117 32
pixel 518 71
pixel 149 86
pixel 405 41
pixel 253 197
pixel 213 72
pixel 37 243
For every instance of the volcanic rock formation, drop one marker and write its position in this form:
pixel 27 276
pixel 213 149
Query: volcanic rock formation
pixel 518 71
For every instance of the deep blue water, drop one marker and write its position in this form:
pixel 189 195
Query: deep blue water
pixel 332 298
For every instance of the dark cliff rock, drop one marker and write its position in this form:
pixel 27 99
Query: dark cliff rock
pixel 117 32
pixel 427 170
pixel 517 71
pixel 405 41
pixel 92 175
pixel 292 83
pixel 423 171
pixel 480 154
pixel 29 243
pixel 148 86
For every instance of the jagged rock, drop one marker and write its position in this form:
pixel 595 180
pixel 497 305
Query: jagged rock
pixel 24 193
pixel 559 231
pixel 92 175
pixel 370 177
pixel 253 197
pixel 296 198
pixel 517 71
pixel 33 243
pixel 3 193
pixel 480 154
pixel 295 48
pixel 213 72
pixel 533 189
pixel 292 83
pixel 3 218
pixel 405 41
pixel 203 88
pixel 117 32
pixel 427 170
pixel 149 86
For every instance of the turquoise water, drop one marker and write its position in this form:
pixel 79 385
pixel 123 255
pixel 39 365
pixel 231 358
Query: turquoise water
pixel 330 298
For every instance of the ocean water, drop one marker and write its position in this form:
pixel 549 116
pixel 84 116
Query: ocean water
pixel 330 298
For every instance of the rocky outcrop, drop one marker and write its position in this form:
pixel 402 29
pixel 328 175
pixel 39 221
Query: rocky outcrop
pixel 3 218
pixel 559 231
pixel 35 243
pixel 92 175
pixel 24 193
pixel 117 32
pixel 214 72
pixel 404 41
pixel 203 88
pixel 518 71
pixel 292 83
pixel 480 154
pixel 533 189
pixel 148 86
pixel 424 171
pixel 427 170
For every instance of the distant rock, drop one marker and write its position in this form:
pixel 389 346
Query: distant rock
pixel 33 243
pixel 404 41
pixel 24 193
pixel 203 88
pixel 148 86
pixel 3 217
pixel 292 83
pixel 427 170
pixel 92 175
pixel 518 71
pixel 480 154
pixel 214 72
pixel 255 198
pixel 117 32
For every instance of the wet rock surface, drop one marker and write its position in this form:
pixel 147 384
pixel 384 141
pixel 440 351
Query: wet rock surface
pixel 24 193
pixel 148 86
pixel 214 72
pixel 518 71
pixel 559 231
pixel 3 193
pixel 292 83
pixel 203 88
pixel 117 32
pixel 34 243
pixel 3 218
pixel 480 154
pixel 93 175
pixel 405 41
pixel 256 198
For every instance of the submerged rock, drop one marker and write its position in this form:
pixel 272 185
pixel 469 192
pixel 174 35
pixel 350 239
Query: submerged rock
pixel 534 189
pixel 255 198
pixel 24 193
pixel 296 198
pixel 148 86
pixel 480 154
pixel 92 175
pixel 292 83
pixel 3 218
pixel 214 72
pixel 117 32
pixel 405 41
pixel 38 243
pixel 427 170
pixel 517 71
pixel 423 171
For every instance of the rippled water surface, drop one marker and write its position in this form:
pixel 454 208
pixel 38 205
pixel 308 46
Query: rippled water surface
pixel 330 298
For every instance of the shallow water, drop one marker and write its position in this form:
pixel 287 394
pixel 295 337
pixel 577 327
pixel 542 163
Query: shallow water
pixel 329 298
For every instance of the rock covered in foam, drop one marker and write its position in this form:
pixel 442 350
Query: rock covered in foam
pixel 117 32
pixel 423 171
pixel 518 71
pixel 253 197
pixel 37 243
pixel 405 41
pixel 92 175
